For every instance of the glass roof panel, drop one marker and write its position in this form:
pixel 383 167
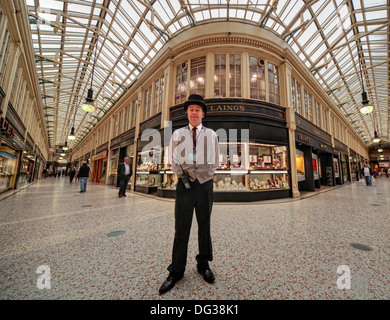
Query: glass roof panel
pixel 126 43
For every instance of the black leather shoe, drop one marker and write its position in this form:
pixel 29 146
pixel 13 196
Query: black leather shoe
pixel 207 274
pixel 169 283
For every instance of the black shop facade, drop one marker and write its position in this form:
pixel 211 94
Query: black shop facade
pixel 318 164
pixel 254 152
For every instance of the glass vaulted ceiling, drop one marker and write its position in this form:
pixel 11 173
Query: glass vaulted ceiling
pixel 124 35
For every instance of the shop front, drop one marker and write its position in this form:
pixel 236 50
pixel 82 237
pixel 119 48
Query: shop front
pixel 254 154
pixel 121 147
pixel 99 167
pixel 314 157
pixel 8 166
pixel 353 163
pixel 341 152
pixel 26 170
pixel 149 160
pixel 11 144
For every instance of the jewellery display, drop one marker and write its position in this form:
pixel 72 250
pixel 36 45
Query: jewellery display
pixel 147 180
pixel 243 167
pixel 170 180
pixel 251 181
pixel 251 166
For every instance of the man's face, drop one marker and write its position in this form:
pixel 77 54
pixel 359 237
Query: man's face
pixel 195 115
pixel 126 160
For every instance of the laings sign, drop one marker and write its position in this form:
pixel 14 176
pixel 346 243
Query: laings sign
pixel 226 107
pixel 6 128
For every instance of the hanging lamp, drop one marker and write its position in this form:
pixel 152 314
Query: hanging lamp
pixel 72 136
pixel 65 147
pixel 366 107
pixel 376 138
pixel 88 105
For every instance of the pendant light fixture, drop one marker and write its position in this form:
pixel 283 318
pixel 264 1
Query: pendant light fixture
pixel 88 105
pixel 380 149
pixel 376 138
pixel 65 147
pixel 72 136
pixel 366 107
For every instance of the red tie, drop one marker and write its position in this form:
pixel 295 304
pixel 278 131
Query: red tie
pixel 194 135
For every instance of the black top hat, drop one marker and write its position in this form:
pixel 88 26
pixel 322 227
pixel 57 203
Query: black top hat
pixel 195 99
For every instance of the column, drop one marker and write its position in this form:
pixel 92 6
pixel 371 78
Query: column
pixel 286 101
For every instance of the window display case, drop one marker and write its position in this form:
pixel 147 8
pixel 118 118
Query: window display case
pixel 24 173
pixel 315 166
pixel 269 180
pixel 251 167
pixel 300 161
pixel 148 178
pixel 336 168
pixel 244 169
pixel 251 180
pixel 7 168
pixel 230 181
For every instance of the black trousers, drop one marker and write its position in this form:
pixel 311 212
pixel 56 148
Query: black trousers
pixel 200 198
pixel 123 182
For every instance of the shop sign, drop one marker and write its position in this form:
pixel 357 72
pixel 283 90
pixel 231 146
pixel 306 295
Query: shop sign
pixel 3 153
pixel 6 128
pixel 100 155
pixel 227 107
pixel 323 146
pixel 303 138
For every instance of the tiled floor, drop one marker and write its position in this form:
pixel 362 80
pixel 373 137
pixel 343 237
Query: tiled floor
pixel 288 249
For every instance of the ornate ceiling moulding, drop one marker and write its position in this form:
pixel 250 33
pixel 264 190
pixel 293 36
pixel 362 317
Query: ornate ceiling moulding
pixel 228 40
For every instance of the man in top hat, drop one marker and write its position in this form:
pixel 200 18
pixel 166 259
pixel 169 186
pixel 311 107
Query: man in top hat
pixel 194 157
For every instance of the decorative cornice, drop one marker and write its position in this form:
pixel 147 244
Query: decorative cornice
pixel 228 40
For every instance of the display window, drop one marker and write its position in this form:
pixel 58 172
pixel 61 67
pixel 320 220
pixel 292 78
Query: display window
pixel 148 177
pixel 315 166
pixel 251 166
pixel 7 169
pixel 103 172
pixel 248 166
pixel 26 168
pixel 336 168
pixel 300 161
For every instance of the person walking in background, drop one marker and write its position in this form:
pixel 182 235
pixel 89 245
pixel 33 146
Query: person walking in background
pixel 83 174
pixel 367 173
pixel 124 173
pixel 72 173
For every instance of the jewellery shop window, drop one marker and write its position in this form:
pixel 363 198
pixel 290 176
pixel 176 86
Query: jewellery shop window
pixel 147 169
pixel 169 179
pixel 252 166
pixel 7 167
